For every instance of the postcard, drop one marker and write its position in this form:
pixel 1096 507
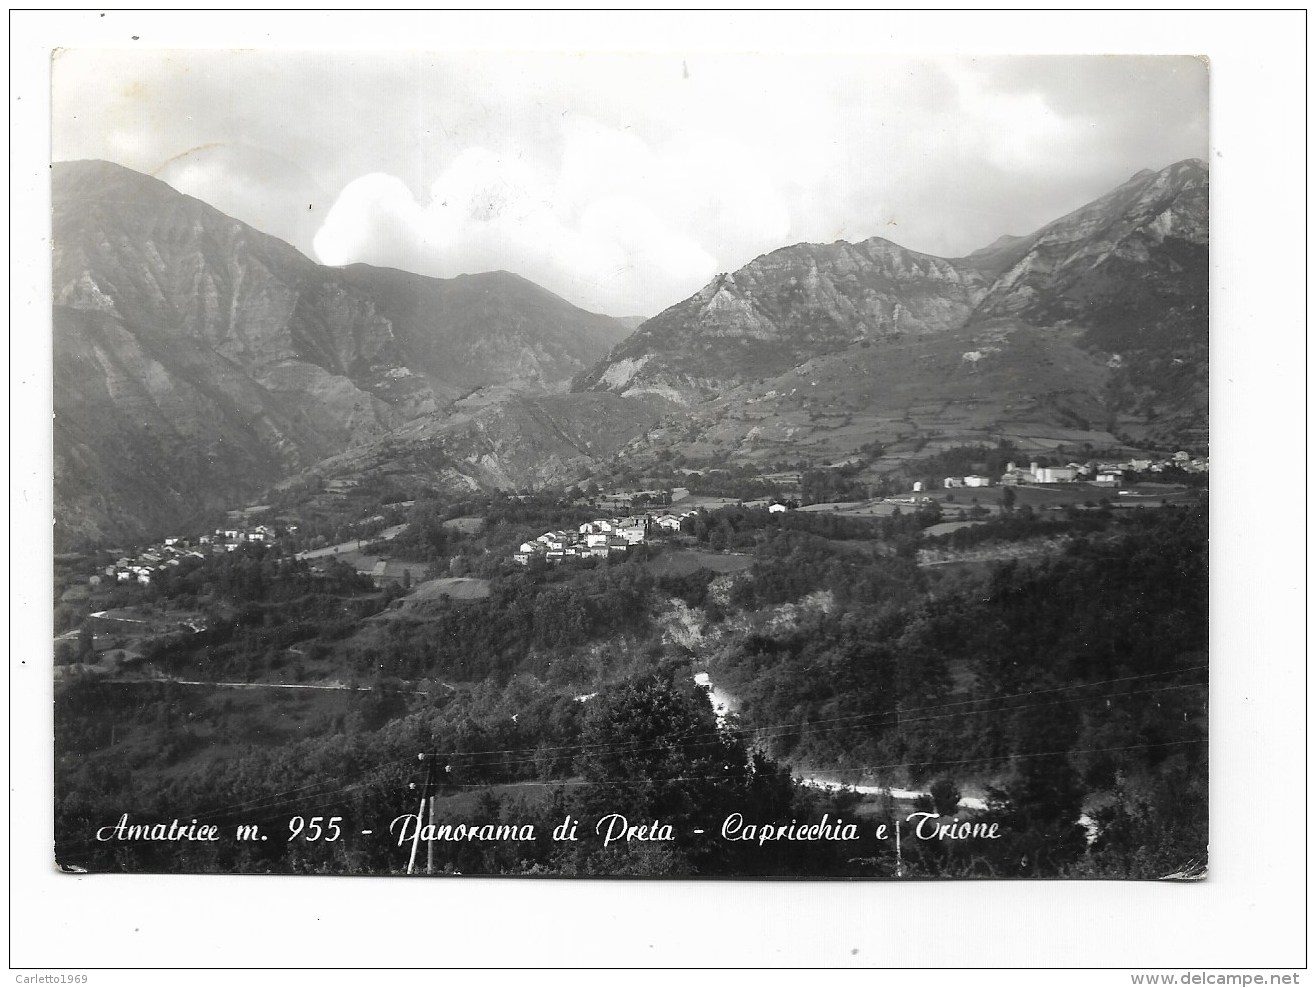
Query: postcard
pixel 640 466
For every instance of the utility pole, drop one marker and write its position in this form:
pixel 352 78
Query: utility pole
pixel 430 783
pixel 420 814
pixel 900 861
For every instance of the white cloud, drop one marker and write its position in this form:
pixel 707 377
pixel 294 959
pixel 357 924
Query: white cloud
pixel 368 212
pixel 447 163
pixel 613 226
pixel 646 245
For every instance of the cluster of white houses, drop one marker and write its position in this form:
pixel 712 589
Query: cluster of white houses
pixel 1104 473
pixel 597 539
pixel 972 480
pixel 139 568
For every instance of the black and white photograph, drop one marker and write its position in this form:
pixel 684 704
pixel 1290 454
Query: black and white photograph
pixel 571 465
pixel 717 468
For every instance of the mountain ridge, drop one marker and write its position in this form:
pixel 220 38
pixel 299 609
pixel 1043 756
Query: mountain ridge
pixel 198 360
pixel 1092 330
pixel 799 299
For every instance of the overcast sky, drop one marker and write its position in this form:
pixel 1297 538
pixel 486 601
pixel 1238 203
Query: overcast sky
pixel 625 182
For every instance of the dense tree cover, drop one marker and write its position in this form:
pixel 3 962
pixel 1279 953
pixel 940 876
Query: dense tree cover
pixel 647 749
pixel 737 527
pixel 960 461
pixel 357 759
pixel 425 538
pixel 526 620
pixel 1017 526
pixel 790 566
pixel 832 484
pixel 653 751
pixel 692 588
pixel 256 573
pixel 1071 684
pixel 257 604
pixel 1130 605
pixel 1086 674
pixel 506 521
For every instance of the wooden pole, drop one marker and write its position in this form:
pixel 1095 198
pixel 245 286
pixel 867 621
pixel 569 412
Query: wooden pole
pixel 429 857
pixel 420 815
pixel 900 861
pixel 415 841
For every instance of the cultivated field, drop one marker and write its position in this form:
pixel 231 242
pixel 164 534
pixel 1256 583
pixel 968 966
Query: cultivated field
pixel 456 587
pixel 682 562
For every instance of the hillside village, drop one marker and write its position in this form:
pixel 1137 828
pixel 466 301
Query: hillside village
pixel 1100 473
pixel 598 539
pixel 145 563
pixel 605 537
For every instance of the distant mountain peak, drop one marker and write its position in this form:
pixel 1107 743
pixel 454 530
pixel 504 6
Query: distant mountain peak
pixel 796 305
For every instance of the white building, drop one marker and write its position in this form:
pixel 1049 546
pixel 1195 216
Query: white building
pixel 1056 475
pixel 632 530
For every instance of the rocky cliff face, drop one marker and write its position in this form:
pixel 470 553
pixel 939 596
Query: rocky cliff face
pixel 198 360
pixel 786 307
pixel 1048 275
pixel 1127 272
pixel 1130 271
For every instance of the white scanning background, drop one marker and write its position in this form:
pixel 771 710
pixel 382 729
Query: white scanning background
pixel 1251 913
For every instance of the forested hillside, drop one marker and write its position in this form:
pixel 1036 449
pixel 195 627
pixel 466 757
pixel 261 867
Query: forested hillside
pixel 1059 687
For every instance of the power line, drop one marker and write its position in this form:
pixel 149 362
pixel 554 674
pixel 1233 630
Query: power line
pixel 325 788
pixel 814 727
pixel 713 735
pixel 860 768
pixel 922 763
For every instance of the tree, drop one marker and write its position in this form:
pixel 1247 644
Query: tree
pixel 945 797
pixel 86 644
pixel 929 514
pixel 654 751
pixel 1008 497
pixel 1040 807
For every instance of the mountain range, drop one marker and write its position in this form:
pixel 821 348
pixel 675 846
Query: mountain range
pixel 198 361
pixel 1093 329
pixel 1116 268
